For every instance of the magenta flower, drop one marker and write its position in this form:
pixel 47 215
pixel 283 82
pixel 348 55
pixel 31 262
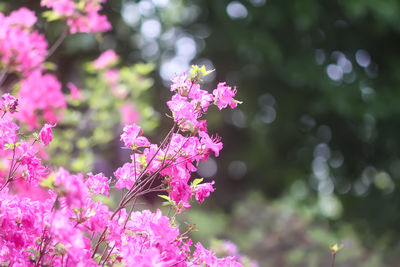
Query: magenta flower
pixel 210 144
pixel 105 60
pixel 129 114
pixel 126 175
pixel 8 132
pixel 46 134
pixel 80 18
pixel 132 136
pixel 22 17
pixel 223 96
pixel 183 111
pixel 22 49
pixel 181 84
pixel 98 183
pixel 46 99
pixel 71 187
pixel 203 190
pixel 8 103
pixel 180 193
pixel 75 93
pixel 61 7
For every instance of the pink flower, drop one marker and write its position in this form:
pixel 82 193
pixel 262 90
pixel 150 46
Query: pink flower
pixel 181 84
pixel 46 134
pixel 180 193
pixel 183 111
pixel 223 96
pixel 46 98
pixel 75 93
pixel 91 23
pixel 203 256
pixel 132 137
pixel 22 17
pixel 203 190
pixel 200 98
pixel 71 188
pixel 80 18
pixel 105 60
pixel 61 7
pixel 98 183
pixel 210 144
pixel 31 167
pixel 126 175
pixel 8 132
pixel 95 215
pixel 8 103
pixel 113 77
pixel 22 49
pixel 129 114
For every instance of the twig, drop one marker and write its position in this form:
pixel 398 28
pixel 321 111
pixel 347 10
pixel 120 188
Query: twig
pixel 57 43
pixel 3 75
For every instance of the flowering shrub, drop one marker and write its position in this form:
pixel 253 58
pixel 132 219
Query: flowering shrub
pixel 52 217
pixel 108 97
pixel 58 222
pixel 84 111
pixel 22 49
pixel 81 16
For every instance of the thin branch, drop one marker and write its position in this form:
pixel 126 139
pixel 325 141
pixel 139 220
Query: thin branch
pixel 3 75
pixel 57 43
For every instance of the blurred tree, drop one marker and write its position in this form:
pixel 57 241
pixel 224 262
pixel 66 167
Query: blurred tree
pixel 320 80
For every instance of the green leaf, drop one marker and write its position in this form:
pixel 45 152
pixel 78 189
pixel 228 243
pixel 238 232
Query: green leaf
pixel 36 136
pixel 167 198
pixel 50 15
pixel 48 182
pixel 143 69
pixel 50 65
pixel 60 248
pixel 11 145
pixel 336 248
pixel 34 252
pixel 199 72
pixel 97 258
pixel 8 146
pixel 81 5
pixel 197 181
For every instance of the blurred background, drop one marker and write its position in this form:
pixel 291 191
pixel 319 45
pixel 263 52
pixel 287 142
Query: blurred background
pixel 312 156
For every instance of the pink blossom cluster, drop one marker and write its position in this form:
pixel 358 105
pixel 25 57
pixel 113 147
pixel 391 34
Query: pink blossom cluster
pixel 22 48
pixel 23 51
pixel 51 217
pixel 186 145
pixel 40 98
pixel 105 60
pixel 8 103
pixel 105 64
pixel 225 248
pixel 81 16
pixel 57 221
pixel 190 102
pixel 25 165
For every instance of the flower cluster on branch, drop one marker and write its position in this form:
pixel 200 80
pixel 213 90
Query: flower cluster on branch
pixel 52 217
